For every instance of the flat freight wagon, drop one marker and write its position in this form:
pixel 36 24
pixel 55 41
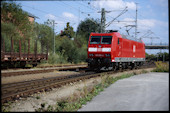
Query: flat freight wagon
pixel 9 59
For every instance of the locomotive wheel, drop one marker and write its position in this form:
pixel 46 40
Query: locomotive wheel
pixel 124 65
pixel 114 68
pixel 135 65
pixel 120 67
pixel 97 69
pixel 132 66
pixel 90 67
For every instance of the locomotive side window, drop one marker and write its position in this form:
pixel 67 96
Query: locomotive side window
pixel 95 39
pixel 118 41
pixel 106 40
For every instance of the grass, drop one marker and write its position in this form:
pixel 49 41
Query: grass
pixel 161 67
pixel 75 102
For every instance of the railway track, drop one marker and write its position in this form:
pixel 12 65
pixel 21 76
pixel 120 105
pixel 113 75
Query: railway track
pixel 13 91
pixel 7 73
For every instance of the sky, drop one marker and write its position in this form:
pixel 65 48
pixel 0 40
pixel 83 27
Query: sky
pixel 152 16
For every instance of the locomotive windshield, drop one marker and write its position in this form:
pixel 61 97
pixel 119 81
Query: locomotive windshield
pixel 106 40
pixel 95 39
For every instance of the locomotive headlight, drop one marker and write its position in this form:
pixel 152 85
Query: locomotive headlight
pixel 107 55
pixel 91 54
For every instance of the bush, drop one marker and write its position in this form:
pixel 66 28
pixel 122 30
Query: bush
pixel 57 58
pixel 70 50
pixel 161 67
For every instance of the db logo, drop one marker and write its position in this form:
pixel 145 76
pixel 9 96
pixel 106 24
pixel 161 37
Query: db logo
pixel 99 49
pixel 134 48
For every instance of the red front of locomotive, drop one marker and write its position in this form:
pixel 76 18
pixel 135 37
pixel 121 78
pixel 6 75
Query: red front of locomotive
pixel 100 49
pixel 99 45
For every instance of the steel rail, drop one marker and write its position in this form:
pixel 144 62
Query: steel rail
pixel 13 91
pixel 41 70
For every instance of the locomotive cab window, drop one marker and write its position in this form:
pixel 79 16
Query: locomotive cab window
pixel 106 40
pixel 95 39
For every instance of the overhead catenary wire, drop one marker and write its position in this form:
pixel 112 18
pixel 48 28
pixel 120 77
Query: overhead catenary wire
pixel 125 10
pixel 46 12
pixel 78 10
pixel 85 6
pixel 86 13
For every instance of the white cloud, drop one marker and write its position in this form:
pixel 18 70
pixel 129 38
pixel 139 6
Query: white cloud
pixel 162 3
pixel 60 23
pixel 69 15
pixel 62 20
pixel 145 24
pixel 142 25
pixel 50 16
pixel 131 5
pixel 114 5
pixel 152 23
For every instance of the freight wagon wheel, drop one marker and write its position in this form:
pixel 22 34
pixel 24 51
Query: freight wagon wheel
pixel 22 64
pixel 34 65
pixel 12 64
pixel 5 65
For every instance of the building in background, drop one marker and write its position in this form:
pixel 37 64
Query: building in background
pixel 31 17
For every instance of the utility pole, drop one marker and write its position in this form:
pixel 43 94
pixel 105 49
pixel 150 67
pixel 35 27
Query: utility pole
pixel 53 36
pixel 136 22
pixel 79 15
pixel 53 22
pixel 103 20
pixel 123 11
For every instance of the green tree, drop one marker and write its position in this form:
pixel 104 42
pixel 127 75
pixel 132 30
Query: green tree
pixel 87 26
pixel 8 31
pixel 44 35
pixel 68 49
pixel 15 25
pixel 163 56
pixel 68 31
pixel 12 13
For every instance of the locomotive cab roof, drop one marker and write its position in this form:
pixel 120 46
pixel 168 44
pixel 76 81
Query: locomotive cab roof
pixel 110 31
pixel 123 36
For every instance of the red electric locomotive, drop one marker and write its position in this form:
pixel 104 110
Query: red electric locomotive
pixel 114 50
